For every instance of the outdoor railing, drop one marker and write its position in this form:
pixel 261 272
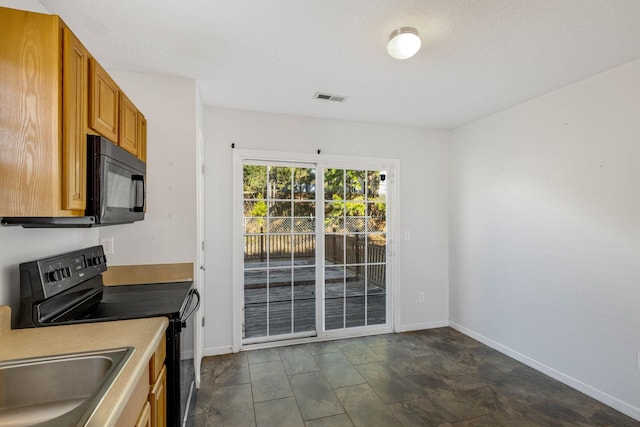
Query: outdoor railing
pixel 281 246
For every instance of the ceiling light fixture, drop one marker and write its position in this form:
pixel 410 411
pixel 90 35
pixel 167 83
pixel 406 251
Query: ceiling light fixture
pixel 404 43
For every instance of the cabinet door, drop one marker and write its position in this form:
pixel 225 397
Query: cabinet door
pixel 128 132
pixel 103 102
pixel 29 107
pixel 158 400
pixel 142 137
pixel 75 88
pixel 144 420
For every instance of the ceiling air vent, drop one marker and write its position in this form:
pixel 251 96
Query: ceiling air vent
pixel 329 97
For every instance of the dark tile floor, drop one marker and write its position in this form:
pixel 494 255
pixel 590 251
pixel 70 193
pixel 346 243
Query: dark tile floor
pixel 436 377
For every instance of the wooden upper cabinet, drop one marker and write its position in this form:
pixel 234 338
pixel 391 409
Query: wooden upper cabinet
pixel 75 93
pixel 128 130
pixel 103 102
pixel 142 138
pixel 37 149
pixel 52 93
pixel 113 115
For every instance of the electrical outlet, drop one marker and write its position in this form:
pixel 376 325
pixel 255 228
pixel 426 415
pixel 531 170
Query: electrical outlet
pixel 107 245
pixel 638 360
pixel 420 296
pixel 407 235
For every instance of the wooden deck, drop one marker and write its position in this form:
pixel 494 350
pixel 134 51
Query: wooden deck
pixel 291 308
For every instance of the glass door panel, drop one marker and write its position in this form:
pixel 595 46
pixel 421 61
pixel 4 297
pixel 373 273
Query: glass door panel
pixel 355 248
pixel 304 298
pixel 279 251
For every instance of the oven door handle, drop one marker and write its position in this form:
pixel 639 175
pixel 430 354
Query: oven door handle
pixel 192 292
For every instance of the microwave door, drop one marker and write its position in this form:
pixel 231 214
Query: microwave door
pixel 123 196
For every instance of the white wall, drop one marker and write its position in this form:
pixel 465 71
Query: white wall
pixel 168 232
pixel 423 158
pixel 30 5
pixel 545 233
pixel 19 245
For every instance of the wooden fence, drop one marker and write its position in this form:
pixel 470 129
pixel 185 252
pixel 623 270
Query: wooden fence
pixel 355 254
pixel 280 246
pixel 304 246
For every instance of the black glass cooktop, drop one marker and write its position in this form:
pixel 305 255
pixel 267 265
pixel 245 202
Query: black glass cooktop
pixel 136 301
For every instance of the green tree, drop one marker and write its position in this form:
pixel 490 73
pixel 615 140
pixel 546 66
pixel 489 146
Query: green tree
pixel 254 181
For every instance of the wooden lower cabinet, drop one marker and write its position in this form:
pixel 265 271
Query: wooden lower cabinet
pixel 158 386
pixel 137 401
pixel 144 420
pixel 158 399
pixel 147 405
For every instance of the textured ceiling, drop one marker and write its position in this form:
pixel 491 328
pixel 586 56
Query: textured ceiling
pixel 477 57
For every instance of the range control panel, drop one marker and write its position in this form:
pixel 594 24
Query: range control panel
pixel 50 276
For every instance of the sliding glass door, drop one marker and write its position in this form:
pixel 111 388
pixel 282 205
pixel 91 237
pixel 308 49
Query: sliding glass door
pixel 315 250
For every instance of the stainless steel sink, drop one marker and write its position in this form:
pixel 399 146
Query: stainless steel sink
pixel 59 390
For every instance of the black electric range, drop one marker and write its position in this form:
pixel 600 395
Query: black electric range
pixel 67 289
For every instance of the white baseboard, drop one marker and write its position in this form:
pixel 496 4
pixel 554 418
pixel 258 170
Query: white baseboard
pixel 603 397
pixel 226 349
pixel 426 325
pixel 215 351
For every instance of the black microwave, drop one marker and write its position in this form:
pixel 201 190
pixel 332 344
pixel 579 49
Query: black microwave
pixel 116 192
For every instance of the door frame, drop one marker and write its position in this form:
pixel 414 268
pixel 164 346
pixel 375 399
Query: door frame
pixel 200 273
pixel 392 166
